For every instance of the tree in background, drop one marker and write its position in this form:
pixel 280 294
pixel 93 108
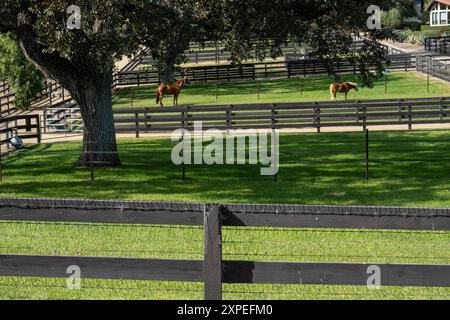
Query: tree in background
pixel 392 19
pixel 25 80
pixel 82 59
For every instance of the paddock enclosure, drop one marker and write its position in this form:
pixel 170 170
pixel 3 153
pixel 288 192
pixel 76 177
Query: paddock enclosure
pixel 227 263
pixel 378 226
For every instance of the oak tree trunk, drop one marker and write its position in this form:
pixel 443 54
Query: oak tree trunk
pixel 99 136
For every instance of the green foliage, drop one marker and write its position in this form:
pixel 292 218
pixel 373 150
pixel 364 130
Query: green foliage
pixel 25 80
pixel 391 19
pixel 400 36
pixel 427 27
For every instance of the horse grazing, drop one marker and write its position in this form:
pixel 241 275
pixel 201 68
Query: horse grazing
pixel 170 89
pixel 342 88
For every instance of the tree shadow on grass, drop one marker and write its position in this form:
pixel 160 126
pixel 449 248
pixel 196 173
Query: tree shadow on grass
pixel 317 173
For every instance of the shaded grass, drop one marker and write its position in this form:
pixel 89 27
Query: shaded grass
pixel 400 85
pixel 406 169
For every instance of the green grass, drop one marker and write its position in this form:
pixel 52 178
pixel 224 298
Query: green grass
pixel 407 169
pixel 400 85
pixel 268 244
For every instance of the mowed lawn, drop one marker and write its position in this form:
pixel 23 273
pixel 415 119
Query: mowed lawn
pixel 399 85
pixel 407 168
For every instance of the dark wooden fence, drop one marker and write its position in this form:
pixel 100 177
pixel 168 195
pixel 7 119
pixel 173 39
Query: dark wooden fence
pixel 213 270
pixel 439 45
pixel 211 53
pixel 359 113
pixel 439 68
pixel 256 70
pixel 27 126
pixel 8 97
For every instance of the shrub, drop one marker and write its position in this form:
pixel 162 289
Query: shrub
pixel 441 29
pixel 392 19
pixel 399 36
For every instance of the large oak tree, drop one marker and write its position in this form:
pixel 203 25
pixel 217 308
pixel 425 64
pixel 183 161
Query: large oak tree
pixel 82 60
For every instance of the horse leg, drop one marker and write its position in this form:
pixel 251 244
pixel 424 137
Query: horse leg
pixel 161 100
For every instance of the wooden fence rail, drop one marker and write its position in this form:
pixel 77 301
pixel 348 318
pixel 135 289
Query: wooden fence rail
pixel 439 45
pixel 255 70
pixel 439 68
pixel 213 270
pixel 27 126
pixel 358 113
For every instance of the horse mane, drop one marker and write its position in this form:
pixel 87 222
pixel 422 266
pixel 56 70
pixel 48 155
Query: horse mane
pixel 354 84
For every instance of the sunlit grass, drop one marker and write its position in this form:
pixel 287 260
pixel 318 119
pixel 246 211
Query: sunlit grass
pixel 407 169
pixel 399 85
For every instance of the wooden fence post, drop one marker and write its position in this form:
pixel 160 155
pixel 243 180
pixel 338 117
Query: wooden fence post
pixel 136 124
pixel 410 117
pixel 274 114
pixel 183 125
pixel 317 115
pixel 1 165
pixel 39 133
pixel 213 253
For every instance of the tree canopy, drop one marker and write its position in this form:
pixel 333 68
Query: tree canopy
pixel 25 80
pixel 82 59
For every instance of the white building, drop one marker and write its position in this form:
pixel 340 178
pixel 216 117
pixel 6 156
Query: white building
pixel 439 12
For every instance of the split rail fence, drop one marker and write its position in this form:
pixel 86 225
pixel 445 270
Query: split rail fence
pixel 440 45
pixel 213 270
pixel 359 113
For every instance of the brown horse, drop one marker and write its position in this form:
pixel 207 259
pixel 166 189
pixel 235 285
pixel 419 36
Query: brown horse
pixel 342 88
pixel 170 89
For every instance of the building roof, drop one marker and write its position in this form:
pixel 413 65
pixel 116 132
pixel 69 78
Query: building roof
pixel 447 2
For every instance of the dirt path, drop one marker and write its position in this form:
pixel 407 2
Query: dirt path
pixel 58 137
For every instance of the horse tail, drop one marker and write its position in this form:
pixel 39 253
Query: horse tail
pixel 332 90
pixel 159 92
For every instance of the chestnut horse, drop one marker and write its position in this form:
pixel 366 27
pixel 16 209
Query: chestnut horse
pixel 342 88
pixel 170 89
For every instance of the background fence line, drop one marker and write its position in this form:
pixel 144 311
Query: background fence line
pixel 439 45
pixel 358 113
pixel 213 270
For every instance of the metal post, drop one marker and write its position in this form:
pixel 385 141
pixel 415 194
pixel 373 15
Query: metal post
pixel 183 165
pixel 217 91
pixel 213 253
pixel 259 89
pixel 91 156
pixel 367 155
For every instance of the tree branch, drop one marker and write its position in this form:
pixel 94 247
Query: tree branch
pixel 50 63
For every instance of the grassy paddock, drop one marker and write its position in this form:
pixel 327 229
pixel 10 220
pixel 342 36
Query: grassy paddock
pixel 268 244
pixel 407 169
pixel 399 85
